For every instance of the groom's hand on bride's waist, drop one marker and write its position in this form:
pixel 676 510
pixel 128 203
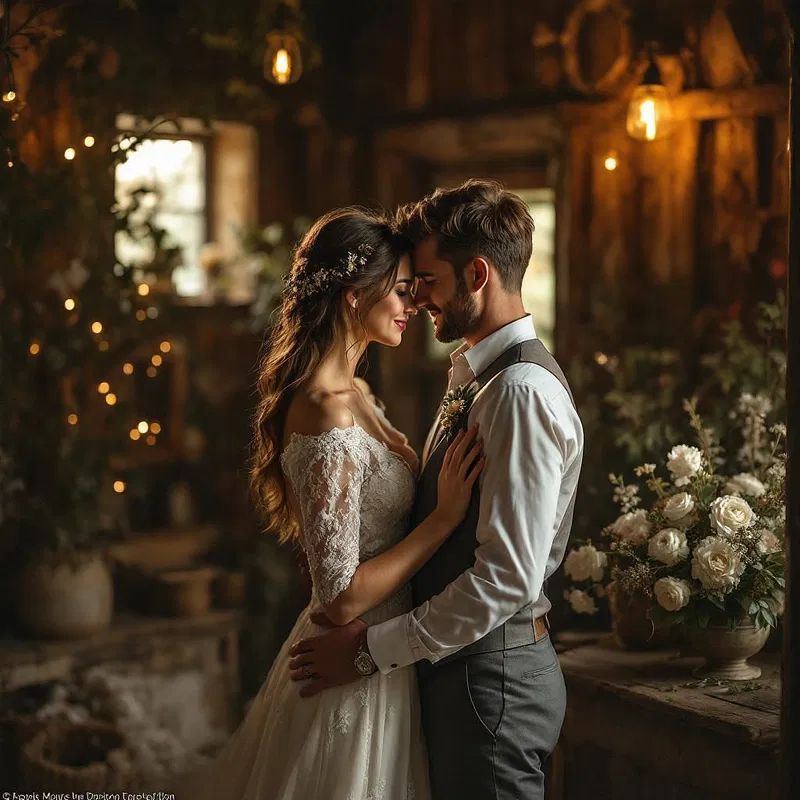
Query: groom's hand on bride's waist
pixel 328 660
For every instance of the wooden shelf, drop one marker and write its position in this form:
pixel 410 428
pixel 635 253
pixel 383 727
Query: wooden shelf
pixel 639 725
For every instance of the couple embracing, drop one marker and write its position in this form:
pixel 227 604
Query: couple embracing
pixel 422 667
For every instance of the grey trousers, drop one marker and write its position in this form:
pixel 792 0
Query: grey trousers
pixel 490 722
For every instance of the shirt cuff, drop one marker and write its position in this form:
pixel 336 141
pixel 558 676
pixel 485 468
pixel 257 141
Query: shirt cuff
pixel 389 646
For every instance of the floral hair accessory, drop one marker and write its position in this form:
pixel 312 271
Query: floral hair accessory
pixel 305 283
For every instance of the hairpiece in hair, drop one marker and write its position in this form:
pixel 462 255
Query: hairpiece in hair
pixel 302 283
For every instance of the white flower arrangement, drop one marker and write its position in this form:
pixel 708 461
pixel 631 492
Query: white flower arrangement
pixel 710 546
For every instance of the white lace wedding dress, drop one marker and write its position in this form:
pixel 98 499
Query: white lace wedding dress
pixel 357 742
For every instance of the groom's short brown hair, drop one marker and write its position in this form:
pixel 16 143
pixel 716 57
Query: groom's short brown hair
pixel 478 218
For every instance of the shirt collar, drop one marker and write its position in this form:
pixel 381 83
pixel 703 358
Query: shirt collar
pixel 468 362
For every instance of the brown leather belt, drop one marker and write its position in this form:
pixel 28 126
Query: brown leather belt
pixel 541 628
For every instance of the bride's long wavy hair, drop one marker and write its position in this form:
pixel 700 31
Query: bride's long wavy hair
pixel 305 331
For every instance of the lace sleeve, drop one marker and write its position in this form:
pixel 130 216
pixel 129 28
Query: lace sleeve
pixel 326 473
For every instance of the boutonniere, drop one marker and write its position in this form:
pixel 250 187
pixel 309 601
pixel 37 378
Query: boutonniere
pixel 456 405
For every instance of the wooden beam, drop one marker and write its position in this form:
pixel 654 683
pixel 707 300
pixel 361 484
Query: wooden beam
pixel 452 140
pixel 698 104
pixel 790 706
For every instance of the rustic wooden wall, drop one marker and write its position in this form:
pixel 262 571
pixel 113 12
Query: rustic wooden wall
pixel 684 232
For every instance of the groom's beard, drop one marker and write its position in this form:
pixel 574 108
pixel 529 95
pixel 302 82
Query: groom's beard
pixel 459 317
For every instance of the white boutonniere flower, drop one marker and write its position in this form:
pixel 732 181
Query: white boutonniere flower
pixel 456 405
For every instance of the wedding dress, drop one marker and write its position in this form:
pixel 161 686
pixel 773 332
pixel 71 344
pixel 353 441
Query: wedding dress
pixel 362 741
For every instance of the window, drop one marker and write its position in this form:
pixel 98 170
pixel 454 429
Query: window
pixel 539 284
pixel 175 171
pixel 205 189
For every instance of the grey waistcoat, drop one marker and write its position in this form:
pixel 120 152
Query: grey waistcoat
pixel 457 554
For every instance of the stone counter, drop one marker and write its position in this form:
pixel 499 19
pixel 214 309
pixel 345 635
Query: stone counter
pixel 173 684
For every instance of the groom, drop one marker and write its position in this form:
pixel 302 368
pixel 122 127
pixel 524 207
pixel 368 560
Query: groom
pixel 492 693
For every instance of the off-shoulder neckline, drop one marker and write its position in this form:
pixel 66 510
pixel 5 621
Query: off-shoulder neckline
pixel 295 436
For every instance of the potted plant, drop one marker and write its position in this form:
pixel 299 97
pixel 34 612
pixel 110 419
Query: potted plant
pixel 709 549
pixel 748 365
pixel 68 323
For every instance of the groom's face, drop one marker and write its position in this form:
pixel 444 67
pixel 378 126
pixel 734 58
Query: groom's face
pixel 441 290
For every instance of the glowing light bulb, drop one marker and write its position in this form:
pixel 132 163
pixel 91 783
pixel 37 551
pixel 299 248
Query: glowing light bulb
pixel 143 427
pixel 151 440
pixel 111 399
pixel 151 372
pixel 611 162
pixel 141 315
pixel 156 360
pixel 135 435
pixel 282 60
pixel 155 427
pixel 143 290
pixel 72 419
pixel 650 110
pixel 9 97
pixel 165 347
pixel 97 327
pixel 127 368
pixel 119 487
pixel 69 153
pixel 69 304
pixel 601 359
pixel 282 66
pixel 104 387
pixel 89 141
pixel 647 115
pixel 34 349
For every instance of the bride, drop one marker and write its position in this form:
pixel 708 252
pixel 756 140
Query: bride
pixel 334 475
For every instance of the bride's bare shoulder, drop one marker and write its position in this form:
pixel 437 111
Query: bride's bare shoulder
pixel 313 412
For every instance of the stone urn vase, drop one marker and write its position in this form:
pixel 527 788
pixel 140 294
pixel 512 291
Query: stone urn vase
pixel 726 651
pixel 66 597
pixel 632 628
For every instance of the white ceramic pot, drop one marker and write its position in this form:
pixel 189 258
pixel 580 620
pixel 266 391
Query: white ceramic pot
pixel 726 651
pixel 66 598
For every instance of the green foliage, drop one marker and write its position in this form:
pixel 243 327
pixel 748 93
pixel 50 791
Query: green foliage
pixel 633 416
pixel 58 222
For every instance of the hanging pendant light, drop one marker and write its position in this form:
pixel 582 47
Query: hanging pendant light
pixel 650 110
pixel 283 62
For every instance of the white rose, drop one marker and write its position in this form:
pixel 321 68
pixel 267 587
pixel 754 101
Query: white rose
pixel 730 513
pixel 717 565
pixel 584 563
pixel 581 602
pixel 684 462
pixel 668 546
pixel 632 527
pixel 745 483
pixel 767 542
pixel 672 593
pixel 678 507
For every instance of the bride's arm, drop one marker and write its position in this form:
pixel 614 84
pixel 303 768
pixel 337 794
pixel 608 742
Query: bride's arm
pixel 327 478
pixel 378 578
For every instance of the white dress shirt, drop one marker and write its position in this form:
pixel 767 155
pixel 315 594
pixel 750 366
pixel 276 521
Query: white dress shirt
pixel 533 442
